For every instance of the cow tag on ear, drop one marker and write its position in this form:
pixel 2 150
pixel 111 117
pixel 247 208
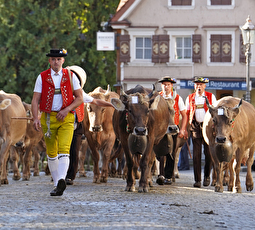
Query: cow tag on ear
pixel 220 112
pixel 118 105
pixel 5 103
pixel 154 105
pixel 134 99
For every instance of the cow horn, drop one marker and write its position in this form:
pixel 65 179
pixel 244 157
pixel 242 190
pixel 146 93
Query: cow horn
pixel 108 90
pixel 122 92
pixel 174 93
pixel 240 103
pixel 208 103
pixel 152 92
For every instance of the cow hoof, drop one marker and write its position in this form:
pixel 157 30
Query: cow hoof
pixel 218 189
pixel 238 189
pixel 16 177
pixel 177 175
pixel 143 189
pixel 4 181
pixel 36 174
pixel 82 174
pixel 103 180
pixel 96 180
pixel 213 183
pixel 249 188
pixel 230 188
pixel 130 189
pixel 25 178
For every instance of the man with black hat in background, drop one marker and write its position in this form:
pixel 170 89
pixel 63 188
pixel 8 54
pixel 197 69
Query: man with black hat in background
pixel 196 109
pixel 59 94
pixel 179 107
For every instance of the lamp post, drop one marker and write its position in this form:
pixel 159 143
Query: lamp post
pixel 248 33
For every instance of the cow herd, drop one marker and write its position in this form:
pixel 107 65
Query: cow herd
pixel 140 126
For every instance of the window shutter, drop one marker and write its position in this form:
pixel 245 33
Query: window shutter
pixel 186 2
pixel 124 48
pixel 215 48
pixel 160 48
pixel 242 57
pixel 163 48
pixel 215 2
pixel 196 48
pixel 155 49
pixel 221 2
pixel 225 48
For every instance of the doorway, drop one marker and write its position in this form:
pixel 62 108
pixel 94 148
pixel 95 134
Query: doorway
pixel 223 93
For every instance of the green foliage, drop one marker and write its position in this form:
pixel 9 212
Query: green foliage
pixel 29 28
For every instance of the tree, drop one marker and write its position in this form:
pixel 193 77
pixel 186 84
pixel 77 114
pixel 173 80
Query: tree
pixel 29 28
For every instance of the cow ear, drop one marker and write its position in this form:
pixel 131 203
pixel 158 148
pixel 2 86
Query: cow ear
pixel 117 103
pixel 5 103
pixel 236 108
pixel 154 104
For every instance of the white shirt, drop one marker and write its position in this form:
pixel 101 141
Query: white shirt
pixel 57 99
pixel 180 102
pixel 199 100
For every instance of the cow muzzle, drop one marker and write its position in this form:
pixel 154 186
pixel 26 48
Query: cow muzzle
pixel 140 131
pixel 220 139
pixel 96 128
pixel 173 129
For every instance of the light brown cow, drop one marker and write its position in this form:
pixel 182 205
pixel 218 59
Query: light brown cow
pixel 228 128
pixel 11 130
pixel 99 131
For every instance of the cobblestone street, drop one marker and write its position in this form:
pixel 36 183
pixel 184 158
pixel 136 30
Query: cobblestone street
pixel 85 205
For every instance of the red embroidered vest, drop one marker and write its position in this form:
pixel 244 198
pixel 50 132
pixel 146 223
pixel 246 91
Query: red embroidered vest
pixel 192 105
pixel 48 90
pixel 176 108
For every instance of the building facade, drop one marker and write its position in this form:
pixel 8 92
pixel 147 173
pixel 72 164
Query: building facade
pixel 183 39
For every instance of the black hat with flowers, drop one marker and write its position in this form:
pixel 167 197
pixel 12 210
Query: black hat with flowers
pixel 201 80
pixel 57 53
pixel 167 79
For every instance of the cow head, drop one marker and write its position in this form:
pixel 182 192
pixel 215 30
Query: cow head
pixel 137 107
pixel 172 127
pixel 223 120
pixel 96 113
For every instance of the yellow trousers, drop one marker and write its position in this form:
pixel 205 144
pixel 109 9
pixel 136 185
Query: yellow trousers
pixel 61 134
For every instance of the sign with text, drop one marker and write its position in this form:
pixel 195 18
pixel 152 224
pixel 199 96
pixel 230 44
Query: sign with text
pixel 105 41
pixel 219 85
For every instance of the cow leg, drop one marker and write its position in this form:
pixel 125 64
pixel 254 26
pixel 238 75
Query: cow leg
pixel 226 175
pixel 95 157
pixel 36 162
pixel 249 178
pixel 219 185
pixel 176 171
pixel 214 176
pixel 4 155
pixel 106 156
pixel 231 175
pixel 239 154
pixel 121 162
pixel 82 156
pixel 26 166
pixel 15 158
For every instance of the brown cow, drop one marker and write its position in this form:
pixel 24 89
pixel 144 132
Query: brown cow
pixel 229 131
pixel 99 131
pixel 140 121
pixel 11 130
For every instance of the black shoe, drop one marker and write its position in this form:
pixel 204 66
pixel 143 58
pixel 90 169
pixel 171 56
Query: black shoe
pixel 168 181
pixel 58 191
pixel 206 181
pixel 69 181
pixel 160 180
pixel 197 184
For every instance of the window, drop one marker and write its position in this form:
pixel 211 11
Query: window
pixel 220 2
pixel 183 48
pixel 143 48
pixel 181 4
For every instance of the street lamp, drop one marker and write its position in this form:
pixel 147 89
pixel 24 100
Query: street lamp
pixel 248 33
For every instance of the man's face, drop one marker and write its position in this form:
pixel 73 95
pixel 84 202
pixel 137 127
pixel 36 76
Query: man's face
pixel 166 87
pixel 200 88
pixel 56 63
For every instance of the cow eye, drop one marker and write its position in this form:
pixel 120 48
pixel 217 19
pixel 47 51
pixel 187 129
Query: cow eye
pixel 103 110
pixel 214 120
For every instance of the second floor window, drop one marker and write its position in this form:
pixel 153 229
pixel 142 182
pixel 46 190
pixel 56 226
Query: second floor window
pixel 221 2
pixel 143 48
pixel 221 48
pixel 183 49
pixel 181 2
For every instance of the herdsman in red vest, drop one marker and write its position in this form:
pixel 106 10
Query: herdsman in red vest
pixel 59 94
pixel 196 109
pixel 179 107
